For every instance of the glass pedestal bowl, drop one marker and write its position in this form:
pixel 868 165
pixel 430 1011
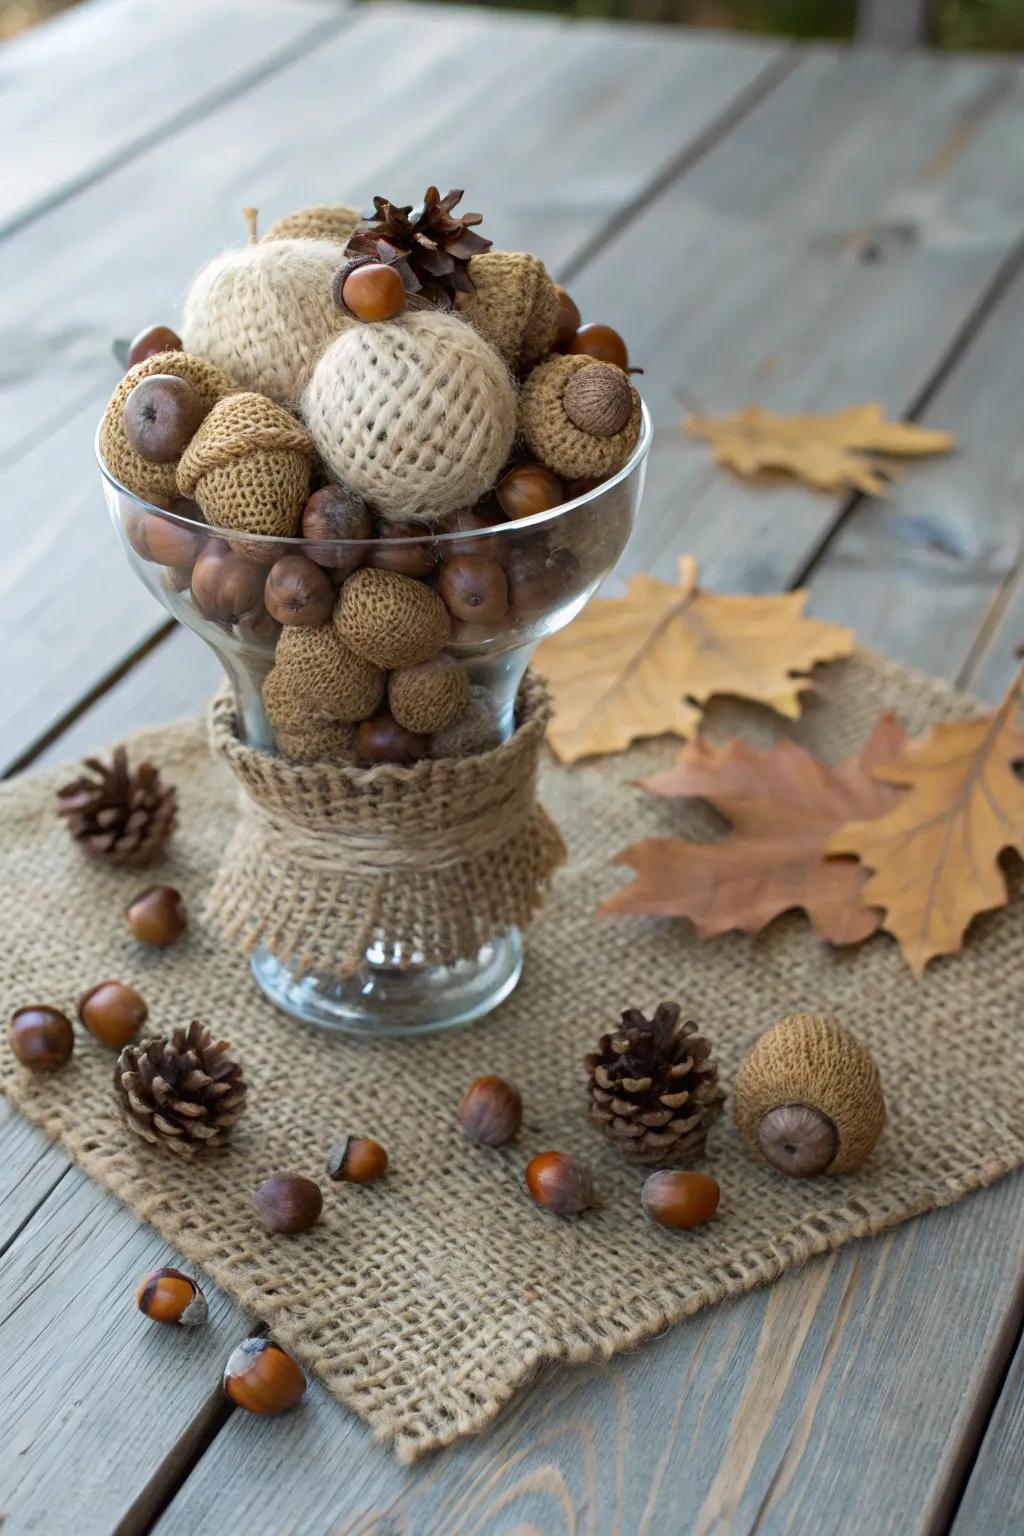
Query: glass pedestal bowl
pixel 212 580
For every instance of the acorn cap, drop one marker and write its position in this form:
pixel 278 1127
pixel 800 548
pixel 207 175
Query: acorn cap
pixel 316 674
pixel 138 474
pixel 248 466
pixel 553 437
pixel 808 1097
pixel 323 221
pixel 391 620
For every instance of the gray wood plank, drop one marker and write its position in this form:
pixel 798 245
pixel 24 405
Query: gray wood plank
pixel 80 92
pixel 896 23
pixel 31 1167
pixel 993 1501
pixel 1001 650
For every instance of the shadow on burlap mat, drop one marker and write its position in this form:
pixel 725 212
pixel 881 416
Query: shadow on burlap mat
pixel 426 1301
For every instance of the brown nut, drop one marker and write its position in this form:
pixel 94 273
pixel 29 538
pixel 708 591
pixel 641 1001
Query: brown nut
pixel 334 514
pixel 262 1378
pixel 598 401
pixel 168 1296
pixel 567 318
pixel 602 342
pixel 394 550
pixel 373 291
pixel 491 1111
pixel 298 591
pixel 113 1012
pixel 225 585
pixel 560 1183
pixel 531 488
pixel 154 339
pixel 41 1037
pixel 357 1160
pixel 382 740
pixel 157 915
pixel 680 1200
pixel 289 1203
pixel 475 589
pixel 537 579
pixel 161 416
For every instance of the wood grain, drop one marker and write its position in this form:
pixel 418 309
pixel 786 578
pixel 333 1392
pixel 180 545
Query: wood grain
pixel 31 1167
pixel 993 1501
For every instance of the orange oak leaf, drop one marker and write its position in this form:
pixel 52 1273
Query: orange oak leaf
pixel 827 451
pixel 645 664
pixel 783 805
pixel 935 855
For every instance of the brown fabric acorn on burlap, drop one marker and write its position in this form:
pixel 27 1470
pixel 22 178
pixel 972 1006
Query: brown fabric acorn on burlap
pixel 579 416
pixel 248 466
pixel 514 305
pixel 317 678
pixel 138 474
pixel 323 221
pixel 654 1087
pixel 182 1092
pixel 122 814
pixel 390 619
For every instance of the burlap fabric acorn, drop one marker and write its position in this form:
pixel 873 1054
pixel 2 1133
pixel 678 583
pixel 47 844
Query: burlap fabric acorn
pixel 130 468
pixel 579 416
pixel 248 466
pixel 514 304
pixel 322 221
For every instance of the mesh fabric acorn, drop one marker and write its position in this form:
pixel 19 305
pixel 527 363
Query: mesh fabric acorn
pixel 182 1092
pixel 654 1087
pixel 122 814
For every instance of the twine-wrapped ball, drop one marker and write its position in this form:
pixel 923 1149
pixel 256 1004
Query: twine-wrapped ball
pixel 550 432
pixel 514 305
pixel 318 741
pixel 474 730
pixel 391 620
pixel 416 414
pixel 324 221
pixel 138 474
pixel 808 1098
pixel 265 313
pixel 248 466
pixel 316 675
pixel 427 697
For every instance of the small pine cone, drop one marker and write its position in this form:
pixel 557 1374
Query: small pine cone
pixel 118 813
pixel 654 1087
pixel 183 1092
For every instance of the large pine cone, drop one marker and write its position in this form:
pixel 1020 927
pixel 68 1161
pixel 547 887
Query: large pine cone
pixel 654 1087
pixel 183 1092
pixel 117 813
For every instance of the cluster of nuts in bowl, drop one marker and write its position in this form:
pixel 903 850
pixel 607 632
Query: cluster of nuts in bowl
pixel 390 394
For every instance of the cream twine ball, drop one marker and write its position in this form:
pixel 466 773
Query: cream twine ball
pixel 416 414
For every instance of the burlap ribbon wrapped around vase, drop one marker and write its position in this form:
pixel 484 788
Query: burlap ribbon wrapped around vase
pixel 435 858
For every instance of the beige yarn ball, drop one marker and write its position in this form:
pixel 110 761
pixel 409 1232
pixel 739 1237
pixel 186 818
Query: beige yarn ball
pixel 808 1097
pixel 391 620
pixel 315 674
pixel 265 313
pixel 554 438
pixel 474 730
pixel 515 305
pixel 248 466
pixel 137 473
pixel 416 414
pixel 324 221
pixel 427 697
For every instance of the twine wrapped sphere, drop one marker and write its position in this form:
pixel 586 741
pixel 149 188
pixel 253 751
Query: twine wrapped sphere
pixel 138 474
pixel 554 438
pixel 265 313
pixel 323 221
pixel 248 466
pixel 515 305
pixel 416 414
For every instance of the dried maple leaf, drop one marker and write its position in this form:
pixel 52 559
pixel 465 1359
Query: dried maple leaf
pixel 783 805
pixel 935 855
pixel 645 664
pixel 828 451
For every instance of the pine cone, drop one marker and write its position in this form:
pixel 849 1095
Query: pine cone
pixel 183 1092
pixel 117 813
pixel 429 247
pixel 654 1087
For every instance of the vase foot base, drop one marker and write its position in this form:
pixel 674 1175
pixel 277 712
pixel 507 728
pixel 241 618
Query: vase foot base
pixel 382 1002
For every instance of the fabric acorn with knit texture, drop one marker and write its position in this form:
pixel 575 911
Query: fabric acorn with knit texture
pixel 319 740
pixel 323 221
pixel 316 674
pixel 248 466
pixel 130 468
pixel 514 305
pixel 556 392
pixel 416 414
pixel 390 619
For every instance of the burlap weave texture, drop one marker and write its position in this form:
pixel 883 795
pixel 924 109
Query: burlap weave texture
pixel 425 1301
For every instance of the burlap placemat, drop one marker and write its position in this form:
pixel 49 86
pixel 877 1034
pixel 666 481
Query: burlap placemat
pixel 425 1301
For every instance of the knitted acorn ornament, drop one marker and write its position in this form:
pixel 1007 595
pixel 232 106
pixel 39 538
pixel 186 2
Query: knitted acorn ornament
pixel 427 697
pixel 248 466
pixel 808 1097
pixel 474 730
pixel 137 473
pixel 316 675
pixel 265 313
pixel 324 221
pixel 552 435
pixel 515 305
pixel 318 741
pixel 416 414
pixel 391 620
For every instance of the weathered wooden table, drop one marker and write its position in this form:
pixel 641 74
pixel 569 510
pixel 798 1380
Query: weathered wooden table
pixel 802 227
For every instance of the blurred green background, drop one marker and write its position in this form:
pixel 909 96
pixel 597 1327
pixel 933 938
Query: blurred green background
pixel 994 24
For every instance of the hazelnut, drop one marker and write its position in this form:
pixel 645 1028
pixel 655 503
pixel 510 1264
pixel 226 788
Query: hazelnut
pixel 161 416
pixel 475 589
pixel 394 551
pixel 154 339
pixel 157 915
pixel 491 1111
pixel 159 540
pixel 289 1203
pixel 113 1012
pixel 373 291
pixel 298 592
pixel 567 318
pixel 473 520
pixel 528 489
pixel 560 1183
pixel 225 585
pixel 538 580
pixel 42 1038
pixel 681 1200
pixel 334 514
pixel 168 1296
pixel 262 1378
pixel 357 1160
pixel 602 342
pixel 382 740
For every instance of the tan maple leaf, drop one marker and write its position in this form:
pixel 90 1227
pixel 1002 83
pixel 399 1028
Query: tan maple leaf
pixel 826 451
pixel 646 663
pixel 782 805
pixel 935 855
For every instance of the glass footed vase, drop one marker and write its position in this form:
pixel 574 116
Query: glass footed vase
pixel 212 580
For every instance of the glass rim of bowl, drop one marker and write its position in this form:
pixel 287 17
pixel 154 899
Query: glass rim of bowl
pixel 296 543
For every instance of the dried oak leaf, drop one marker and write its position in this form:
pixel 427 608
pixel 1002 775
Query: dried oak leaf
pixel 646 663
pixel 829 451
pixel 782 805
pixel 935 855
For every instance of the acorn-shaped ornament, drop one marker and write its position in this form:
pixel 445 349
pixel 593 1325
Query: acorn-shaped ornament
pixel 514 305
pixel 145 477
pixel 579 416
pixel 808 1097
pixel 248 466
pixel 324 221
